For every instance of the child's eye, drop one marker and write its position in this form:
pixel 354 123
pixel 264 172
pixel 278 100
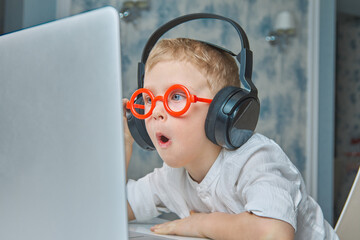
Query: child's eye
pixel 147 99
pixel 177 97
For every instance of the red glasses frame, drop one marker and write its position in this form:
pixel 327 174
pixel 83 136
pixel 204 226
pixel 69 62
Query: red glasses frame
pixel 190 98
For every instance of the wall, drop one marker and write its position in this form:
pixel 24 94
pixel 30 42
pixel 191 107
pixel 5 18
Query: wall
pixel 351 7
pixel 279 76
pixel 20 14
pixel 2 14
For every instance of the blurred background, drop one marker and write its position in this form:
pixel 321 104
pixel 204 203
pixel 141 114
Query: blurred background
pixel 306 67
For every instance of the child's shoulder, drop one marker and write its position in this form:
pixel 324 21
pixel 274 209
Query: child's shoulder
pixel 258 157
pixel 258 148
pixel 256 143
pixel 258 138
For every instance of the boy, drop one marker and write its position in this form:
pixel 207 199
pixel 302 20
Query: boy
pixel 254 192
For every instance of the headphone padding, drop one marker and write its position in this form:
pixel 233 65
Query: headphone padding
pixel 138 130
pixel 232 117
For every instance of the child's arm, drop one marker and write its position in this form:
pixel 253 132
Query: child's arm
pixel 131 215
pixel 227 226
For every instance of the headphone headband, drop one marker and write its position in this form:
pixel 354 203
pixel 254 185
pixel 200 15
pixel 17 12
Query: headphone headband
pixel 244 57
pixel 177 21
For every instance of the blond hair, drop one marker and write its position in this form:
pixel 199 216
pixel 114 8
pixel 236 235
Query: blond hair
pixel 219 68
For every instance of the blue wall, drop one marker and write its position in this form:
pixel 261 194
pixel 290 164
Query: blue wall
pixel 20 14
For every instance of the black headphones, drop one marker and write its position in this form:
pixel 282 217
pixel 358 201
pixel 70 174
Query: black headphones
pixel 234 111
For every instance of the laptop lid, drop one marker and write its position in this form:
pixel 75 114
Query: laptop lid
pixel 347 227
pixel 62 170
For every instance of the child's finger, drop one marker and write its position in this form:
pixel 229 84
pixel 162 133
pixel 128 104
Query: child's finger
pixel 165 228
pixel 193 212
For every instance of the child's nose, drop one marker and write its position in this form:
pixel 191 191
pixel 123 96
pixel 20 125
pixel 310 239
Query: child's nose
pixel 159 112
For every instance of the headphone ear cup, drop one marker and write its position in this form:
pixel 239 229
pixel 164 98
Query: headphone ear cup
pixel 138 130
pixel 213 112
pixel 232 117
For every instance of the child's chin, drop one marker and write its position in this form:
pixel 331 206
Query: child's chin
pixel 171 162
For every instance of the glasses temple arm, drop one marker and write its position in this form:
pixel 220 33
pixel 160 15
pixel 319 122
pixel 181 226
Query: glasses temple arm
pixel 128 104
pixel 197 99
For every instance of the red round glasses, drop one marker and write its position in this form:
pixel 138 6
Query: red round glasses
pixel 176 100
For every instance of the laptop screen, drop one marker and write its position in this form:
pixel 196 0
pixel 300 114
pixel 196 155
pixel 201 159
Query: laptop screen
pixel 62 170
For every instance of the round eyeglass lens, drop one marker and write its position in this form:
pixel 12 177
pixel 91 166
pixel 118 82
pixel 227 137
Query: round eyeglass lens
pixel 141 99
pixel 147 101
pixel 177 100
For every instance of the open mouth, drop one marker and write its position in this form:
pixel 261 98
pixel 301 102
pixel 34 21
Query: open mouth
pixel 162 139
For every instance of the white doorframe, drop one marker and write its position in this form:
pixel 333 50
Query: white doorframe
pixel 312 99
pixel 319 174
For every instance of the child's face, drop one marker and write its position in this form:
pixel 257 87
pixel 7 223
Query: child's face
pixel 180 141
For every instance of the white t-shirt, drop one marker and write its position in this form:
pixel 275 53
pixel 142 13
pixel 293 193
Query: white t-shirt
pixel 257 178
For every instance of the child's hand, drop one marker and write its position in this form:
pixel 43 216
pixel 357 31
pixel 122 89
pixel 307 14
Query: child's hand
pixel 219 225
pixel 184 227
pixel 129 140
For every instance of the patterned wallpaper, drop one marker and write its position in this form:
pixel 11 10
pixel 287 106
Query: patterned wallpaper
pixel 280 76
pixel 347 151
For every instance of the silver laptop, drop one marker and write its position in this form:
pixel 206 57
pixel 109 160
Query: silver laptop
pixel 61 144
pixel 347 227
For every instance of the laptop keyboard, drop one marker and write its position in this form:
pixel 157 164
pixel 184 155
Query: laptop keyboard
pixel 136 235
